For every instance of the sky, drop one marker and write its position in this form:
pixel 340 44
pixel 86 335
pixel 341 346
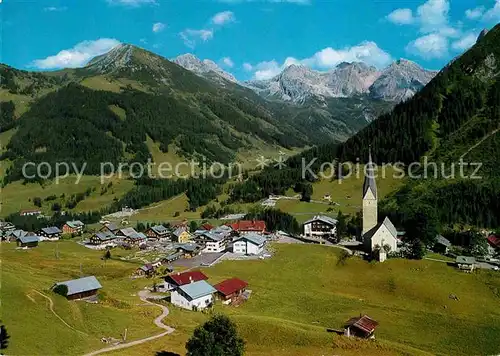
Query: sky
pixel 252 39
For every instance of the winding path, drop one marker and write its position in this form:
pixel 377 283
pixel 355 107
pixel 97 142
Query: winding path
pixel 143 294
pixel 51 307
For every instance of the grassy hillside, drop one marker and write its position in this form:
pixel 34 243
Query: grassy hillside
pixel 304 292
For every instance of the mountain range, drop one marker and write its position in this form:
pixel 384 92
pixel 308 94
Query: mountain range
pixel 131 99
pixel 300 84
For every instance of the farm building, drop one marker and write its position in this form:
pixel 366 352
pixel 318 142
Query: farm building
pixel 158 232
pixel 320 227
pixel 193 296
pixel 73 227
pixel 51 233
pixel 249 244
pixel 102 237
pixel 362 326
pixel 175 280
pixel 28 241
pixel 249 226
pixel 230 289
pixel 465 263
pixel 80 288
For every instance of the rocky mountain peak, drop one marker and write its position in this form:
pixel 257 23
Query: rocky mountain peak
pixel 204 68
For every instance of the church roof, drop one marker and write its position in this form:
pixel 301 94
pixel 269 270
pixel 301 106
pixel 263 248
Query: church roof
pixel 369 182
pixel 388 224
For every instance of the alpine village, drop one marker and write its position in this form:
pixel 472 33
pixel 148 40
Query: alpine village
pixel 354 211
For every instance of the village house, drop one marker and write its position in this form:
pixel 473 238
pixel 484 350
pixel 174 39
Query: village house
pixel 6 227
pixel 189 250
pixel 110 227
pixel 158 232
pixel 175 280
pixel 362 326
pixel 442 245
pixel 249 244
pixel 31 212
pixel 13 235
pixel 230 290
pixel 249 226
pixel 193 296
pixel 28 241
pixel 102 237
pixel 80 288
pixel 171 258
pixel 465 263
pixel 130 236
pixel 74 227
pixel 214 242
pixel 181 235
pixel 147 270
pixel 51 233
pixel 320 227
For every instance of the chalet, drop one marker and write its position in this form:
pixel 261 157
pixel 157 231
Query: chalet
pixel 249 244
pixel 320 227
pixel 51 233
pixel 175 280
pixel 193 296
pixel 213 241
pixel 110 227
pixel 102 237
pixel 32 212
pixel 189 250
pixel 442 244
pixel 465 263
pixel 28 241
pixel 206 227
pixel 493 244
pixel 135 239
pixel 74 227
pixel 249 226
pixel 362 326
pixel 147 270
pixel 230 289
pixel 158 232
pixel 177 224
pixel 14 235
pixel 80 288
pixel 181 235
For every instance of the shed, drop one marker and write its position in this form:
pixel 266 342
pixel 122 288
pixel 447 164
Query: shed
pixel 362 326
pixel 81 287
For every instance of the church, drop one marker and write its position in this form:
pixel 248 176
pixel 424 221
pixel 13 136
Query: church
pixel 378 238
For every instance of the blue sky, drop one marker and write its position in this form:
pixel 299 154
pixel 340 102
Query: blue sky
pixel 249 38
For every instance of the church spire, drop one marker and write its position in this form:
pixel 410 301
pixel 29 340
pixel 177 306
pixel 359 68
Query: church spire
pixel 369 182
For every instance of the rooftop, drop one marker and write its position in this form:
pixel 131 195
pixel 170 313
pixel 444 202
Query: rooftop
pixel 197 289
pixel 81 285
pixel 253 238
pixel 465 260
pixel 187 277
pixel 249 225
pixel 364 323
pixel 323 218
pixel 51 230
pixel 75 224
pixel 28 239
pixel 230 286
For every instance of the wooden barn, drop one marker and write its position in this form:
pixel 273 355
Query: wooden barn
pixel 80 288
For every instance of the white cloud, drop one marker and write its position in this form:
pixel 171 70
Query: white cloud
pixel 77 56
pixel 430 46
pixel 493 14
pixel 55 8
pixel 465 42
pixel 401 17
pixel 223 18
pixel 228 62
pixel 327 58
pixel 474 14
pixel 132 3
pixel 191 37
pixel 158 27
pixel 433 15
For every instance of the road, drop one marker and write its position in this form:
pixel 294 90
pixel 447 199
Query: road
pixel 158 321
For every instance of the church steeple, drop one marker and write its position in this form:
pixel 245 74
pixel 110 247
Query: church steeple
pixel 370 182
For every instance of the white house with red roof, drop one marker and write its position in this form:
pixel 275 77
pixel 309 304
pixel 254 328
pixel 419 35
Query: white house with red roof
pixel 174 280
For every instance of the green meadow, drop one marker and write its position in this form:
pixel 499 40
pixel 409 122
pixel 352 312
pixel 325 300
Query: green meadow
pixel 296 296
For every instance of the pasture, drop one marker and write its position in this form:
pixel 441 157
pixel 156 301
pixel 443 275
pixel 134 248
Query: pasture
pixel 296 296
